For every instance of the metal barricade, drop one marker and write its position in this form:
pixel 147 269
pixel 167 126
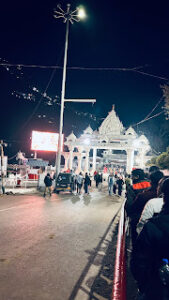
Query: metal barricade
pixel 119 282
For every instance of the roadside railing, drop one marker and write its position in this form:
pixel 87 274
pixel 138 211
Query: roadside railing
pixel 119 282
pixel 22 181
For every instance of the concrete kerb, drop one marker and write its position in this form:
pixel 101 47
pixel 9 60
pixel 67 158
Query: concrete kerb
pixel 23 191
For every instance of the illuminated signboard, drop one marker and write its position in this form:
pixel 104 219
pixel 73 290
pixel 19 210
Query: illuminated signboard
pixel 45 141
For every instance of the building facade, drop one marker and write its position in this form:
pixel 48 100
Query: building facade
pixel 118 146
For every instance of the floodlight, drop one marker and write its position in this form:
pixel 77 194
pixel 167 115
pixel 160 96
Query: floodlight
pixel 81 13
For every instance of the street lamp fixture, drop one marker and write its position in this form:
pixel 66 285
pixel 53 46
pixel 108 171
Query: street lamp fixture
pixel 67 16
pixel 81 13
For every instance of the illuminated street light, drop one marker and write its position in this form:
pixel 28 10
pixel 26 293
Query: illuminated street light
pixel 67 16
pixel 81 13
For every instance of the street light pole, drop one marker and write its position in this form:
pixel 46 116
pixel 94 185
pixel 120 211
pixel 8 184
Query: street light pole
pixel 58 155
pixel 68 16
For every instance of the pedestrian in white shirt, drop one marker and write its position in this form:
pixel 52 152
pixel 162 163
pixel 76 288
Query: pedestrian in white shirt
pixel 79 183
pixel 152 207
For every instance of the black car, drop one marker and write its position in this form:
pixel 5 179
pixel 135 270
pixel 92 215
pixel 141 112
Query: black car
pixel 64 182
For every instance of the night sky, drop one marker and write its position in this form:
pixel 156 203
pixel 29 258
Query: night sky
pixel 115 34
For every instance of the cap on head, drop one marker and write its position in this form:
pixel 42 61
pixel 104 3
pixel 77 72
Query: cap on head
pixel 138 173
pixel 153 169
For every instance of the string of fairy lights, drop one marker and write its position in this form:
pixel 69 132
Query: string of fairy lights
pixel 33 93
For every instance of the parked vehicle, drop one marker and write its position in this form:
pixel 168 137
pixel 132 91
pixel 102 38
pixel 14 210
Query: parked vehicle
pixel 64 183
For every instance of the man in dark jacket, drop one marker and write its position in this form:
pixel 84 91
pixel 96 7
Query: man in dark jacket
pixel 120 183
pixel 48 184
pixel 87 182
pixel 140 183
pixel 142 198
pixel 152 245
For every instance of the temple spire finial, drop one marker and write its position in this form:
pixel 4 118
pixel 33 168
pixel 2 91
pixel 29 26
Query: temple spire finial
pixel 113 106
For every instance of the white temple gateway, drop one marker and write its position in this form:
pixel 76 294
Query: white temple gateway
pixel 119 146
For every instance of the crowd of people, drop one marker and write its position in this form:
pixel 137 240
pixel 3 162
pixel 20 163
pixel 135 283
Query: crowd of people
pixel 78 181
pixel 115 184
pixel 82 182
pixel 147 206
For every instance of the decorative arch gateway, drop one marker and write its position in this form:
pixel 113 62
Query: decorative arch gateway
pixel 111 135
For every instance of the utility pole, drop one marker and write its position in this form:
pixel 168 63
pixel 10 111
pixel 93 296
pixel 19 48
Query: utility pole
pixel 2 144
pixel 67 16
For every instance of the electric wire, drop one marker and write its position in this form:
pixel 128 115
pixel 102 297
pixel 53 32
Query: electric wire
pixel 134 69
pixel 39 102
pixel 158 114
pixel 10 158
pixel 154 108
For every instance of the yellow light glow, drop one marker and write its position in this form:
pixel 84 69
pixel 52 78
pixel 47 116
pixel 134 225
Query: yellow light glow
pixel 81 13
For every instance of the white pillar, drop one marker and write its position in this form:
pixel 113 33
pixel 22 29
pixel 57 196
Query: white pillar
pixel 71 159
pixel 141 156
pixel 35 155
pixel 66 163
pixel 87 161
pixel 130 160
pixel 94 159
pixel 79 162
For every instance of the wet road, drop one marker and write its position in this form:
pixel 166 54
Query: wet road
pixel 46 243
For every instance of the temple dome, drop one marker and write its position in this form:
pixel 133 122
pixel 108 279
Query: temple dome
pixel 88 130
pixel 130 131
pixel 111 125
pixel 71 137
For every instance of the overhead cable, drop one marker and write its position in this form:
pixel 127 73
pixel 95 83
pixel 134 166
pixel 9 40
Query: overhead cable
pixel 134 69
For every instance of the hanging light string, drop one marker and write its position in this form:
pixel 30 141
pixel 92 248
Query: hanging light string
pixel 40 100
pixel 51 101
pixel 45 91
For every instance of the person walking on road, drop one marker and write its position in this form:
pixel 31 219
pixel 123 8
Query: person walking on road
pixel 87 182
pixel 96 178
pixel 110 184
pixel 48 184
pixel 115 184
pixel 100 180
pixel 79 183
pixel 120 183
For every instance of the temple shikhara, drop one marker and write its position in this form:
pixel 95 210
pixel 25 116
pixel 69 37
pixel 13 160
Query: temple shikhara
pixel 111 145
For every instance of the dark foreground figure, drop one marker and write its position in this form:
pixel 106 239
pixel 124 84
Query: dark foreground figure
pixel 151 247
